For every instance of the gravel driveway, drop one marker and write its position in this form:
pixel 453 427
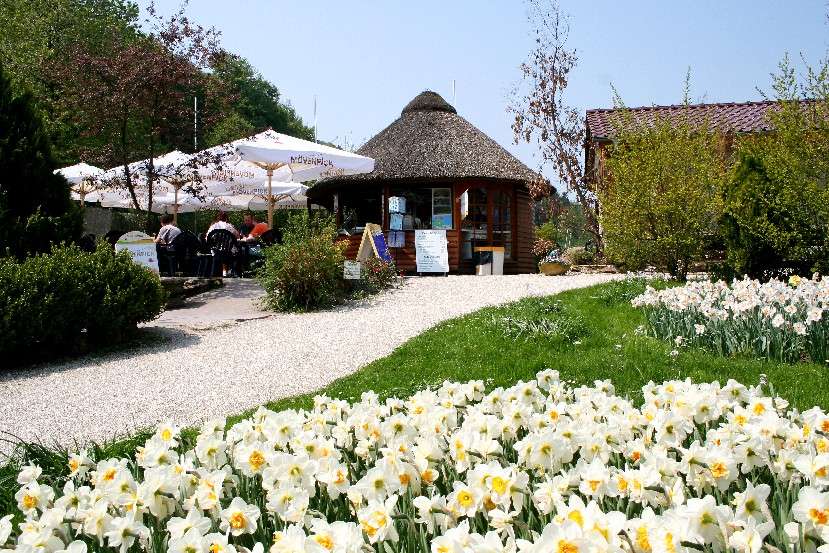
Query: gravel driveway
pixel 190 375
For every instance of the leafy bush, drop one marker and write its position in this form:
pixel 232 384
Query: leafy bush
pixel 305 272
pixel 378 275
pixel 548 231
pixel 69 300
pixel 579 256
pixel 35 209
pixel 776 211
pixel 662 202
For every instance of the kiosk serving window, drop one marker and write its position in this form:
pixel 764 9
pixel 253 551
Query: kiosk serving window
pixel 426 208
pixel 358 208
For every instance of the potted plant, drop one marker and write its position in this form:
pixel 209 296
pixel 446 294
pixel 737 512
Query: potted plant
pixel 553 264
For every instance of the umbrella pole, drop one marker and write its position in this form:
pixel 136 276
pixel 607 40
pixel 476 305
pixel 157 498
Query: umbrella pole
pixel 175 205
pixel 270 199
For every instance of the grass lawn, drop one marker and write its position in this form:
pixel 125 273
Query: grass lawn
pixel 586 334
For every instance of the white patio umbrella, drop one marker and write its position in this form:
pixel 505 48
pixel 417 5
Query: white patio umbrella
pixel 236 202
pixel 172 171
pixel 292 159
pixel 219 172
pixel 82 179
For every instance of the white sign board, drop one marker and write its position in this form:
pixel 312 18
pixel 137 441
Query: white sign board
pixel 432 251
pixel 141 247
pixel 351 270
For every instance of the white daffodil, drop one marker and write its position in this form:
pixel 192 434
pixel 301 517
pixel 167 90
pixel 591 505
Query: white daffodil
pixel 33 497
pixel 288 503
pixel 239 518
pixel 749 538
pixel 122 532
pixel 377 522
pixel 5 529
pixel 751 503
pixel 29 473
pixel 178 526
pixel 290 540
pixel 191 542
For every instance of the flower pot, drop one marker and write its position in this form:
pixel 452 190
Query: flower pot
pixel 553 268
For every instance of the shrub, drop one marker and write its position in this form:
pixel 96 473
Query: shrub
pixel 69 301
pixel 35 208
pixel 378 275
pixel 579 256
pixel 661 203
pixel 305 272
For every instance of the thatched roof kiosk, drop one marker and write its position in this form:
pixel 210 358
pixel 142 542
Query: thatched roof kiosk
pixel 433 158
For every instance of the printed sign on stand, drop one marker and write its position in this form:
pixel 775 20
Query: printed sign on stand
pixel 432 251
pixel 141 247
pixel 373 243
pixel 351 270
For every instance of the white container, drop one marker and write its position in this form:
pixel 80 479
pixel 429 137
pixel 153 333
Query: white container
pixel 498 261
pixel 397 204
pixel 494 265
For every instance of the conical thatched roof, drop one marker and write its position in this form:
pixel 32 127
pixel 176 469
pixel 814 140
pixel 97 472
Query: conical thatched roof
pixel 431 141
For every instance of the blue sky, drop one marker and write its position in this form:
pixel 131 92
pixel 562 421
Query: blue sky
pixel 364 60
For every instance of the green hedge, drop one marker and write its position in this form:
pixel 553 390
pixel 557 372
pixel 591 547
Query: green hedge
pixel 70 301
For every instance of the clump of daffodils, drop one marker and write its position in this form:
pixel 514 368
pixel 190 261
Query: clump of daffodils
pixel 542 466
pixel 784 321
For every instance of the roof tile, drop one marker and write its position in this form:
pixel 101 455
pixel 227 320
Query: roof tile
pixel 745 117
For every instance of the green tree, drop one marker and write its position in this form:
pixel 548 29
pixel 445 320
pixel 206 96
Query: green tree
pixel 35 209
pixel 662 203
pixel 231 127
pixel 35 38
pixel 776 217
pixel 257 101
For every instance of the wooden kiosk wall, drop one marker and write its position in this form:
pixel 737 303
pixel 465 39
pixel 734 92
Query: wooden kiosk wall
pixel 523 233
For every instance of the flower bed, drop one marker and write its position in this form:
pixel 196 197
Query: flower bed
pixel 776 320
pixel 540 466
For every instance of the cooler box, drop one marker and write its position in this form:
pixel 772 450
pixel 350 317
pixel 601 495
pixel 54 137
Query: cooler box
pixel 489 260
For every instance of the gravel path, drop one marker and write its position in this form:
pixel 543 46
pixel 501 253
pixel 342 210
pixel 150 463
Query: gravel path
pixel 188 376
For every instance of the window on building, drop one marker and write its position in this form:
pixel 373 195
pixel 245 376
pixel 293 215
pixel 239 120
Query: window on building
pixel 426 208
pixel 359 208
pixel 502 221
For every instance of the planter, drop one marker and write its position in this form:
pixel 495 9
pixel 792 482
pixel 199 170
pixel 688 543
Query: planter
pixel 554 268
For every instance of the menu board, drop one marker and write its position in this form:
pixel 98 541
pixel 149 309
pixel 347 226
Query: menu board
pixel 141 247
pixel 432 253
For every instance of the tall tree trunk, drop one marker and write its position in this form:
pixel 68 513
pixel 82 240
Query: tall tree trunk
pixel 125 159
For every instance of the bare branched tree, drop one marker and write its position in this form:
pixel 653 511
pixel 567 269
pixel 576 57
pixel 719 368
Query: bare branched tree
pixel 542 114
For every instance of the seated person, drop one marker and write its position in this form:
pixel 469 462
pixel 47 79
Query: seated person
pixel 167 232
pixel 221 223
pixel 258 229
pixel 247 225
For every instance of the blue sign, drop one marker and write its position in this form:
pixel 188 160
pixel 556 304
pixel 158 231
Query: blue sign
pixel 381 247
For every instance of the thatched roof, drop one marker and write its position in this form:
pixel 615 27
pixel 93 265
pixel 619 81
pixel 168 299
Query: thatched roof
pixel 430 141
